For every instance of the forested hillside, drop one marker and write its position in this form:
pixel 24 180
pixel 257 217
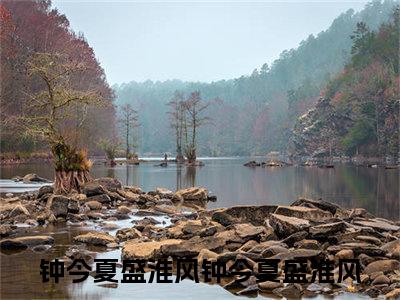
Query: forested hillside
pixel 254 114
pixel 30 29
pixel 358 113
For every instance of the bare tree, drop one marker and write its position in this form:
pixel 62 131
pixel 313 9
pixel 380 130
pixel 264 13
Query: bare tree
pixel 195 109
pixel 178 122
pixel 129 121
pixel 51 107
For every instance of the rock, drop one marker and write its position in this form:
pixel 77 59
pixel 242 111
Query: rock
pixel 192 194
pixel 128 234
pixel 381 279
pixel 301 212
pixel 58 205
pixel 41 248
pixel 6 230
pixel 384 266
pixel 379 225
pixel 192 247
pixel 34 178
pixel 46 189
pixel 392 248
pixel 110 184
pixel 206 254
pixel 369 239
pixel 18 209
pixel 124 209
pixel 128 195
pixel 268 286
pixel 290 291
pixel 182 229
pixel 145 250
pixel 255 215
pixel 273 250
pixel 252 164
pixel 248 231
pixel 9 195
pixel 248 245
pixel 26 241
pixel 285 226
pixel 164 193
pixel 73 206
pixel 297 254
pixel 92 189
pixel 249 290
pixel 102 198
pixel 308 244
pixel 358 248
pixel 327 229
pixel 94 205
pixel 344 254
pixel 324 205
pixel 110 226
pixel 95 238
pixel 295 237
pixel 395 294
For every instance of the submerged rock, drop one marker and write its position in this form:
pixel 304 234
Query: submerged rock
pixel 26 241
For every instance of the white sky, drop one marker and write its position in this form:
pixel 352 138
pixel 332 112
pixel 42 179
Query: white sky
pixel 196 41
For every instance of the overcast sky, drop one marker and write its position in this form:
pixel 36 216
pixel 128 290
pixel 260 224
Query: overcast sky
pixel 197 41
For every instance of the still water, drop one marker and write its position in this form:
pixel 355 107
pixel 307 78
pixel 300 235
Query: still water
pixel 377 190
pixel 374 189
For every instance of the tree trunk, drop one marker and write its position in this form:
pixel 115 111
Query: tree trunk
pixel 70 181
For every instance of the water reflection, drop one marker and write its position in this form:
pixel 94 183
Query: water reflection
pixel 377 190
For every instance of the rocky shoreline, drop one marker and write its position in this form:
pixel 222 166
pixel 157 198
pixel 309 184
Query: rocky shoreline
pixel 307 229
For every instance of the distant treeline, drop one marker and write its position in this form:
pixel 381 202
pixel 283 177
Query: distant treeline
pixel 254 114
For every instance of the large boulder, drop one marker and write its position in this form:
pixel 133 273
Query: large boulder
pixel 110 184
pixel 46 189
pixel 145 250
pixel 312 214
pixel 384 266
pixel 95 238
pixel 192 194
pixel 94 205
pixel 58 205
pixel 285 226
pixel 125 234
pixel 187 229
pixel 253 214
pixel 92 188
pixel 26 241
pixel 392 248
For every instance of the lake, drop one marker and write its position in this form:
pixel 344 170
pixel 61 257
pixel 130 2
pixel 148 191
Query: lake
pixel 377 190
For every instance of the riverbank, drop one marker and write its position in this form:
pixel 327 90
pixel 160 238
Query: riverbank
pixel 307 229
